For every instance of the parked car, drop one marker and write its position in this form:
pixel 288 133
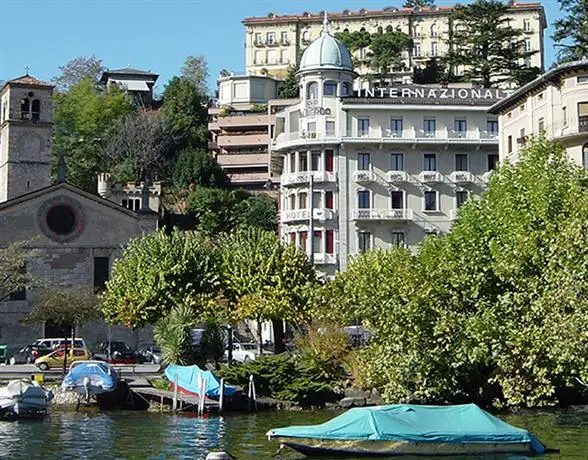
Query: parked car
pixel 115 353
pixel 243 352
pixel 56 343
pixel 55 358
pixel 150 354
pixel 28 354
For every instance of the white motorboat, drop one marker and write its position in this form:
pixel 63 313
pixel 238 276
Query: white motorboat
pixel 24 397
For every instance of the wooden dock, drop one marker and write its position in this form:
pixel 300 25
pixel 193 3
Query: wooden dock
pixel 185 402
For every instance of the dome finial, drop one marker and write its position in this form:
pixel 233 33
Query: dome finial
pixel 326 24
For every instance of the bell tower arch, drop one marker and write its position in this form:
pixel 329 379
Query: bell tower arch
pixel 25 136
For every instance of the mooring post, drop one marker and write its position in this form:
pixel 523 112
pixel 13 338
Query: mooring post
pixel 175 401
pixel 221 396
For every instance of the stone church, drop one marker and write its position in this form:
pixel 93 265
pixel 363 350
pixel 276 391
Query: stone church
pixel 77 235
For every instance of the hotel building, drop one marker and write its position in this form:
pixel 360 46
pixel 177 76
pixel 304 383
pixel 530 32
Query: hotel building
pixel 273 41
pixel 378 167
pixel 556 103
pixel 240 125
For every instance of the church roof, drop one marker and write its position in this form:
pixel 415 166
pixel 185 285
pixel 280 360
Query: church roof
pixel 64 185
pixel 326 52
pixel 27 80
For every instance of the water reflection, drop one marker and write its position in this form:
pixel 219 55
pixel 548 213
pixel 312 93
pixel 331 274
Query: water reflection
pixel 142 435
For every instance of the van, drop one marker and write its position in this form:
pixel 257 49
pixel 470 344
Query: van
pixel 54 344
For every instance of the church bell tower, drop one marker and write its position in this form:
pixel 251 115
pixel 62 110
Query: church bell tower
pixel 25 136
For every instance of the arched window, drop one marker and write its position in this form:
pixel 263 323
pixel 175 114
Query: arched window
pixel 417 30
pixel 306 36
pixel 380 30
pixel 345 88
pixel 585 156
pixel 389 28
pixel 36 112
pixel 330 88
pixel 434 30
pixel 312 90
pixel 24 109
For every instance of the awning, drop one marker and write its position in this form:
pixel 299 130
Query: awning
pixel 132 85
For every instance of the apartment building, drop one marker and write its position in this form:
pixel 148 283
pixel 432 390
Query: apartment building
pixel 379 167
pixel 273 41
pixel 556 104
pixel 240 127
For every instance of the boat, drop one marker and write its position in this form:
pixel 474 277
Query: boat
pixel 408 429
pixel 24 398
pixel 189 381
pixel 90 378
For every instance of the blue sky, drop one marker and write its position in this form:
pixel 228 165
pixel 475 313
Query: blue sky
pixel 152 35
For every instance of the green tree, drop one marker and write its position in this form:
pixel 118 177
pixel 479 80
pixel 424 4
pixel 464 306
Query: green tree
pixel 258 211
pixel 195 70
pixel 76 70
pixel 290 87
pixel 264 279
pixel 214 209
pixel 198 167
pixel 484 48
pixel 66 308
pixel 185 113
pixel 14 260
pixel 433 72
pixel 157 272
pixel 136 147
pixel 421 3
pixel 387 50
pixel 355 40
pixel 82 118
pixel 571 31
pixel 495 310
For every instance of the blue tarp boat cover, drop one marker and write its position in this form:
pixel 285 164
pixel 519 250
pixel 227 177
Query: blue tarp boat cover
pixel 465 423
pixel 189 379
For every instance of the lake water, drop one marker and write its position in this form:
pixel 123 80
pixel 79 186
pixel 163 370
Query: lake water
pixel 145 435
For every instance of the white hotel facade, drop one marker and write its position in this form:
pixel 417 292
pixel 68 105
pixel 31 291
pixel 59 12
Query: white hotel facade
pixel 376 167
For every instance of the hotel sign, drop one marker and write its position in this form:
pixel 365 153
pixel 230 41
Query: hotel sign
pixel 437 92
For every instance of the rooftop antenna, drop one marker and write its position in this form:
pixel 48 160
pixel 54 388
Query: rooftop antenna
pixel 27 68
pixel 326 24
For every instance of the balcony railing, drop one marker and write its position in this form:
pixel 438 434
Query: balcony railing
pixel 304 177
pixel 428 177
pixel 414 135
pixel 319 214
pixel 382 214
pixel 461 177
pixel 396 176
pixel 322 258
pixel 364 176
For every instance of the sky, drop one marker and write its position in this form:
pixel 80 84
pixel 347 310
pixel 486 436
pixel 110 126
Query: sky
pixel 153 35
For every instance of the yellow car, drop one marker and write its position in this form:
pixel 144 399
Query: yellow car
pixel 55 359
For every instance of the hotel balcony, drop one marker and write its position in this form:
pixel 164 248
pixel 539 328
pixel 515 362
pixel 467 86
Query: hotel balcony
pixel 304 177
pixel 461 177
pixel 382 214
pixel 412 135
pixel 395 177
pixel 364 176
pixel 239 121
pixel 285 140
pixel 237 160
pixel 295 215
pixel 322 258
pixel 242 140
pixel 248 177
pixel 428 177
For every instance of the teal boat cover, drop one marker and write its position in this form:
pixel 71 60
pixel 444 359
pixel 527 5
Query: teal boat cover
pixel 189 380
pixel 463 424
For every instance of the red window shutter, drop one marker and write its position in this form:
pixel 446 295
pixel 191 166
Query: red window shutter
pixel 329 160
pixel 329 200
pixel 330 242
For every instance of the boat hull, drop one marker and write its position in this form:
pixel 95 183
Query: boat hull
pixel 350 448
